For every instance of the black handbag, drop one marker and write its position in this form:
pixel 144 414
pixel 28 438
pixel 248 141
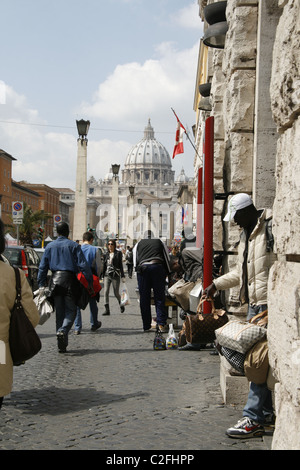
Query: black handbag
pixel 24 341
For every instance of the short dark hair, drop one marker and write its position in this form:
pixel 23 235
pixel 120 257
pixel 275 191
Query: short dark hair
pixel 2 237
pixel 63 229
pixel 87 236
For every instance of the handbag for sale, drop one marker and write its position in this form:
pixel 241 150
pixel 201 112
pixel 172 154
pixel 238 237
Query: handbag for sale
pixel 159 342
pixel 24 342
pixel 241 335
pixel 200 328
pixel 235 359
pixel 257 362
pixel 181 291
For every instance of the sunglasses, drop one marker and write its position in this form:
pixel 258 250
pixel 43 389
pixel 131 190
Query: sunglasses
pixel 110 243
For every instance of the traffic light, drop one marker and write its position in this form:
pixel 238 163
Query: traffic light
pixel 40 233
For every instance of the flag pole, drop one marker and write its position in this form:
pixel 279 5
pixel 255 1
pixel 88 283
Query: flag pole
pixel 188 137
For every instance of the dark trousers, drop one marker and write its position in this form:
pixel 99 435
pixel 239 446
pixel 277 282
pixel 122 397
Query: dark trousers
pixel 152 276
pixel 1 401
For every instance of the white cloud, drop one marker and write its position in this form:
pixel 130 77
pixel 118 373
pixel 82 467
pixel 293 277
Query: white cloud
pixel 188 16
pixel 133 93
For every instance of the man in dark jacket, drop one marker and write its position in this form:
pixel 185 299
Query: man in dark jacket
pixel 152 264
pixel 65 259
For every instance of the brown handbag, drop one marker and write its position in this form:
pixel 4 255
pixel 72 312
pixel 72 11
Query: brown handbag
pixel 200 328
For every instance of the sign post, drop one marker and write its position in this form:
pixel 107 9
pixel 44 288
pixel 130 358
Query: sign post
pixel 17 215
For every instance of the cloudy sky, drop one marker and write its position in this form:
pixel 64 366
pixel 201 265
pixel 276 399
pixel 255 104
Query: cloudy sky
pixel 116 63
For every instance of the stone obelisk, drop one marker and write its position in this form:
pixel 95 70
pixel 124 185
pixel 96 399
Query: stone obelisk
pixel 80 208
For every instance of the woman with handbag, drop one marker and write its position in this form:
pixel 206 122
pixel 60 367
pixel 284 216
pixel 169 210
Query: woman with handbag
pixel 113 272
pixel 8 296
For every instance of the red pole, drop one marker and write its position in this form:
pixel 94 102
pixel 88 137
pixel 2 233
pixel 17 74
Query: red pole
pixel 208 206
pixel 199 238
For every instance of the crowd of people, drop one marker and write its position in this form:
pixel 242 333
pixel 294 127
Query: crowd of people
pixel 153 263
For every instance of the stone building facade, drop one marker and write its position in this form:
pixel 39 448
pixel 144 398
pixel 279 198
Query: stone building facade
pixel 254 97
pixel 153 203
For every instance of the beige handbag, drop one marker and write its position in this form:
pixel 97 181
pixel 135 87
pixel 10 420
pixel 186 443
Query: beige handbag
pixel 256 364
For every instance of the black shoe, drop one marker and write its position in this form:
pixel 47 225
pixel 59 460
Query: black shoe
pixel 189 347
pixel 95 328
pixel 61 342
pixel 105 313
pixel 122 308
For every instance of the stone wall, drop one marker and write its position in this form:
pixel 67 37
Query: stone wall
pixel 284 282
pixel 255 101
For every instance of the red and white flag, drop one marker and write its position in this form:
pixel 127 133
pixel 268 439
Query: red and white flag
pixel 178 148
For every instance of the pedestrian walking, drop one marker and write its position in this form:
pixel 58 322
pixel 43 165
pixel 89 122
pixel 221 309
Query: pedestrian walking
pixel 152 264
pixel 255 257
pixel 129 261
pixel 93 257
pixel 113 272
pixel 8 295
pixel 65 259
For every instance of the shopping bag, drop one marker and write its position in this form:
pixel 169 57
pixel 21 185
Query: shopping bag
pixel 44 306
pixel 171 341
pixel 181 290
pixel 195 296
pixel 124 296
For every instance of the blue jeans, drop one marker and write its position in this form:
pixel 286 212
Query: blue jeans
pixel 65 309
pixel 259 403
pixel 153 276
pixel 93 315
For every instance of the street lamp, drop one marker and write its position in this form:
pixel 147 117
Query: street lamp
pixel 80 209
pixel 83 128
pixel 115 169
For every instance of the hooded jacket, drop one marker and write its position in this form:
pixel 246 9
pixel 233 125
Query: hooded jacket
pixel 252 267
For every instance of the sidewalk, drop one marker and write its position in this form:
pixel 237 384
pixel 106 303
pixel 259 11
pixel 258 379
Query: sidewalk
pixel 112 392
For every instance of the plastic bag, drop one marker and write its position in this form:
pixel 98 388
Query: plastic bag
pixel 43 304
pixel 124 296
pixel 171 341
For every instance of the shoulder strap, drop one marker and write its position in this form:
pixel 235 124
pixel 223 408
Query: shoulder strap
pixel 18 284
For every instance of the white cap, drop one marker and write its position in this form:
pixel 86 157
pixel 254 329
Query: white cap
pixel 237 202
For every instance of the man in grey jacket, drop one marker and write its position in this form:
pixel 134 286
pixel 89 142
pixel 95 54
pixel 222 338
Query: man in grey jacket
pixel 255 258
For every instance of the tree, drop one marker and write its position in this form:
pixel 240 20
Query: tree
pixel 32 221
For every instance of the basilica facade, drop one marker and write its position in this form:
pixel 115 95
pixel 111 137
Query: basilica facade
pixel 143 195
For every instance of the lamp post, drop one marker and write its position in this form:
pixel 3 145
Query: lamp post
pixel 115 198
pixel 80 209
pixel 130 224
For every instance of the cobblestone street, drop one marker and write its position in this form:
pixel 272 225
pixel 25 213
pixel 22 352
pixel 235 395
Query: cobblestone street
pixel 112 392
